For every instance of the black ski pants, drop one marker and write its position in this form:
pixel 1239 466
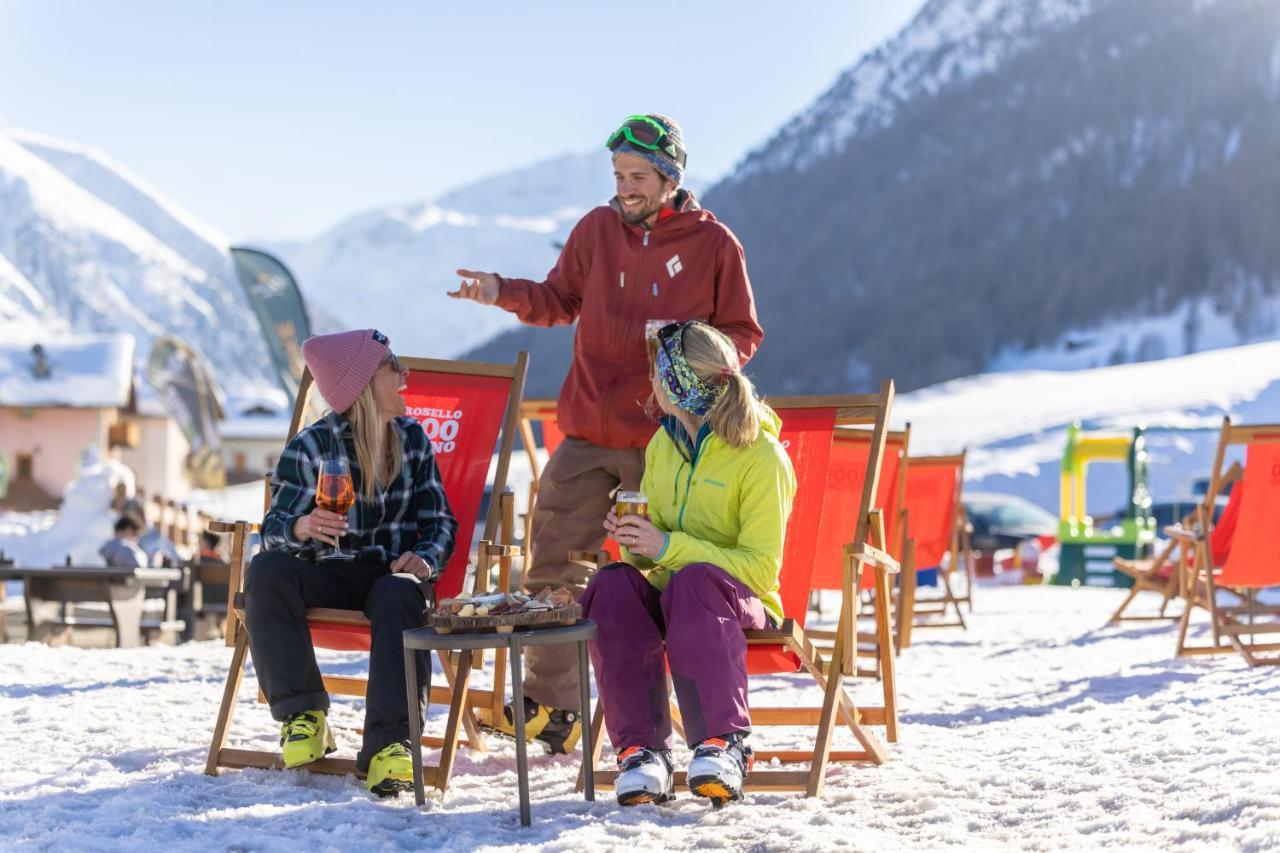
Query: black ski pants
pixel 279 588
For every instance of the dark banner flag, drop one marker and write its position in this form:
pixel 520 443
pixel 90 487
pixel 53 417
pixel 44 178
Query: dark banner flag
pixel 276 300
pixel 185 384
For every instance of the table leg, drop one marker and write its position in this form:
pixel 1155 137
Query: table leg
pixel 588 757
pixel 517 714
pixel 415 722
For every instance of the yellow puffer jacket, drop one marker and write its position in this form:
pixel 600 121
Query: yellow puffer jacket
pixel 721 505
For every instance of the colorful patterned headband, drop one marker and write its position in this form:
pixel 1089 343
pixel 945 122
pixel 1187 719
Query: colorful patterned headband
pixel 683 387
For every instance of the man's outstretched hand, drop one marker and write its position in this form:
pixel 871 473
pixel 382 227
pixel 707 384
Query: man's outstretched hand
pixel 479 287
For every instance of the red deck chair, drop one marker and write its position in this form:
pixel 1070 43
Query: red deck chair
pixel 469 410
pixel 543 412
pixel 1253 560
pixel 937 531
pixel 808 424
pixel 1163 572
pixel 849 455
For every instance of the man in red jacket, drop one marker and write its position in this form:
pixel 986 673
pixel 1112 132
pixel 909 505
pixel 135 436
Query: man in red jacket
pixel 651 254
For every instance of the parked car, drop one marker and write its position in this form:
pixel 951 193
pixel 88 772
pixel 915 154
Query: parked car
pixel 1003 521
pixel 1172 510
pixel 1011 537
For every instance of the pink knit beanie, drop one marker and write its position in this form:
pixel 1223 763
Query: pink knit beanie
pixel 342 364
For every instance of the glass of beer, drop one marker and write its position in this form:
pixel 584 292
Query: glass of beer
pixel 336 493
pixel 651 328
pixel 631 503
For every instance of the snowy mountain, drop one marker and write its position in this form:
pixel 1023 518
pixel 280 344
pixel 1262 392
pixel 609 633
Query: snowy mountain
pixel 21 305
pixel 89 247
pixel 1012 183
pixel 948 43
pixel 399 261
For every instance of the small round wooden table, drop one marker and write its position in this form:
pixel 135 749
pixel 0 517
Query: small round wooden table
pixel 426 639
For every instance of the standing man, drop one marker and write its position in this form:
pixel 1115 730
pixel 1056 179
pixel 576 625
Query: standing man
pixel 650 254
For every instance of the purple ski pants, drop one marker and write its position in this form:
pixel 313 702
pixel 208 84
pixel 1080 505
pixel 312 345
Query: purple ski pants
pixel 702 615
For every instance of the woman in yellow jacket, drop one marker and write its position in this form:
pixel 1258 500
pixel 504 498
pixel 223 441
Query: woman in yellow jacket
pixel 701 569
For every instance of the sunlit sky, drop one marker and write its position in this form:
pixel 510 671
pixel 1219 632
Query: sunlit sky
pixel 277 120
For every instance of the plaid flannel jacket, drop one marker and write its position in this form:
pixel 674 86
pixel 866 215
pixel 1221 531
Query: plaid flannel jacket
pixel 410 514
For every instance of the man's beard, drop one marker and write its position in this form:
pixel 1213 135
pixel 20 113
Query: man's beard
pixel 641 215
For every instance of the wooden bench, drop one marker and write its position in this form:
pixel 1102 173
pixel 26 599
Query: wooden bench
pixel 50 595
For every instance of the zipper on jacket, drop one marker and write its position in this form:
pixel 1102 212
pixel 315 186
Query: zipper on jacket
pixel 688 482
pixel 619 321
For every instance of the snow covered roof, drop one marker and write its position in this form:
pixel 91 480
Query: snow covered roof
pixel 259 427
pixel 85 371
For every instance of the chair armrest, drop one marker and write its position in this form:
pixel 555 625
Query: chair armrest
pixel 590 558
pixel 1182 534
pixel 488 549
pixel 870 554
pixel 230 526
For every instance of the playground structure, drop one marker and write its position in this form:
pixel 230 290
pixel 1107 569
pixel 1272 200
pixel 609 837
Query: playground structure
pixel 1088 551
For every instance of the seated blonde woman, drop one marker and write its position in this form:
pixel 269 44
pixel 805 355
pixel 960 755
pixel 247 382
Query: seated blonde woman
pixel 401 533
pixel 698 572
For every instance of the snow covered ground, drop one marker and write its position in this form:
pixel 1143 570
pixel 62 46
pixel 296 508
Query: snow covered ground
pixel 1038 729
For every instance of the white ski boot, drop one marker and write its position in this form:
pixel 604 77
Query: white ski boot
pixel 645 776
pixel 718 769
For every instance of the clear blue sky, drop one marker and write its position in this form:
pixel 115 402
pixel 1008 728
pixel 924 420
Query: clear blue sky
pixel 277 119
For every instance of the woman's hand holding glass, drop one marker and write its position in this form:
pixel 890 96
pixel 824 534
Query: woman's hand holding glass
pixel 637 533
pixel 321 525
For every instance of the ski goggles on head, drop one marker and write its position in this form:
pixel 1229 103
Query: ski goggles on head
pixel 644 132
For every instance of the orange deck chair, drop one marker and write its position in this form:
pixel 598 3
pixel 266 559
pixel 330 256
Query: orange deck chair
pixel 938 535
pixel 1253 562
pixel 849 458
pixel 808 425
pixel 1164 572
pixel 468 410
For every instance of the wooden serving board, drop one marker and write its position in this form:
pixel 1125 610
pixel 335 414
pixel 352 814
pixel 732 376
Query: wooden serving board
pixel 447 623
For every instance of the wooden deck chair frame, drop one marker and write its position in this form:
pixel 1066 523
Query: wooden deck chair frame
pixel 494 547
pixel 870 653
pixel 1177 554
pixel 1204 580
pixel 829 672
pixel 540 411
pixel 933 613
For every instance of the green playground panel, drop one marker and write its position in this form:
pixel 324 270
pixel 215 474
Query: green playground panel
pixel 1087 551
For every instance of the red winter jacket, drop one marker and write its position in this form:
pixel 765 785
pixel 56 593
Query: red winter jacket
pixel 611 277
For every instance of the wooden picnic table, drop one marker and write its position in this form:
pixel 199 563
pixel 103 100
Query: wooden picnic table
pixel 49 595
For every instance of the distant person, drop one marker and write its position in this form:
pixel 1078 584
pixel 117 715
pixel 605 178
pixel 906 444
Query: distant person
pixel 160 550
pixel 123 551
pixel 403 533
pixel 700 570
pixel 650 255
pixel 212 571
pixel 210 545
